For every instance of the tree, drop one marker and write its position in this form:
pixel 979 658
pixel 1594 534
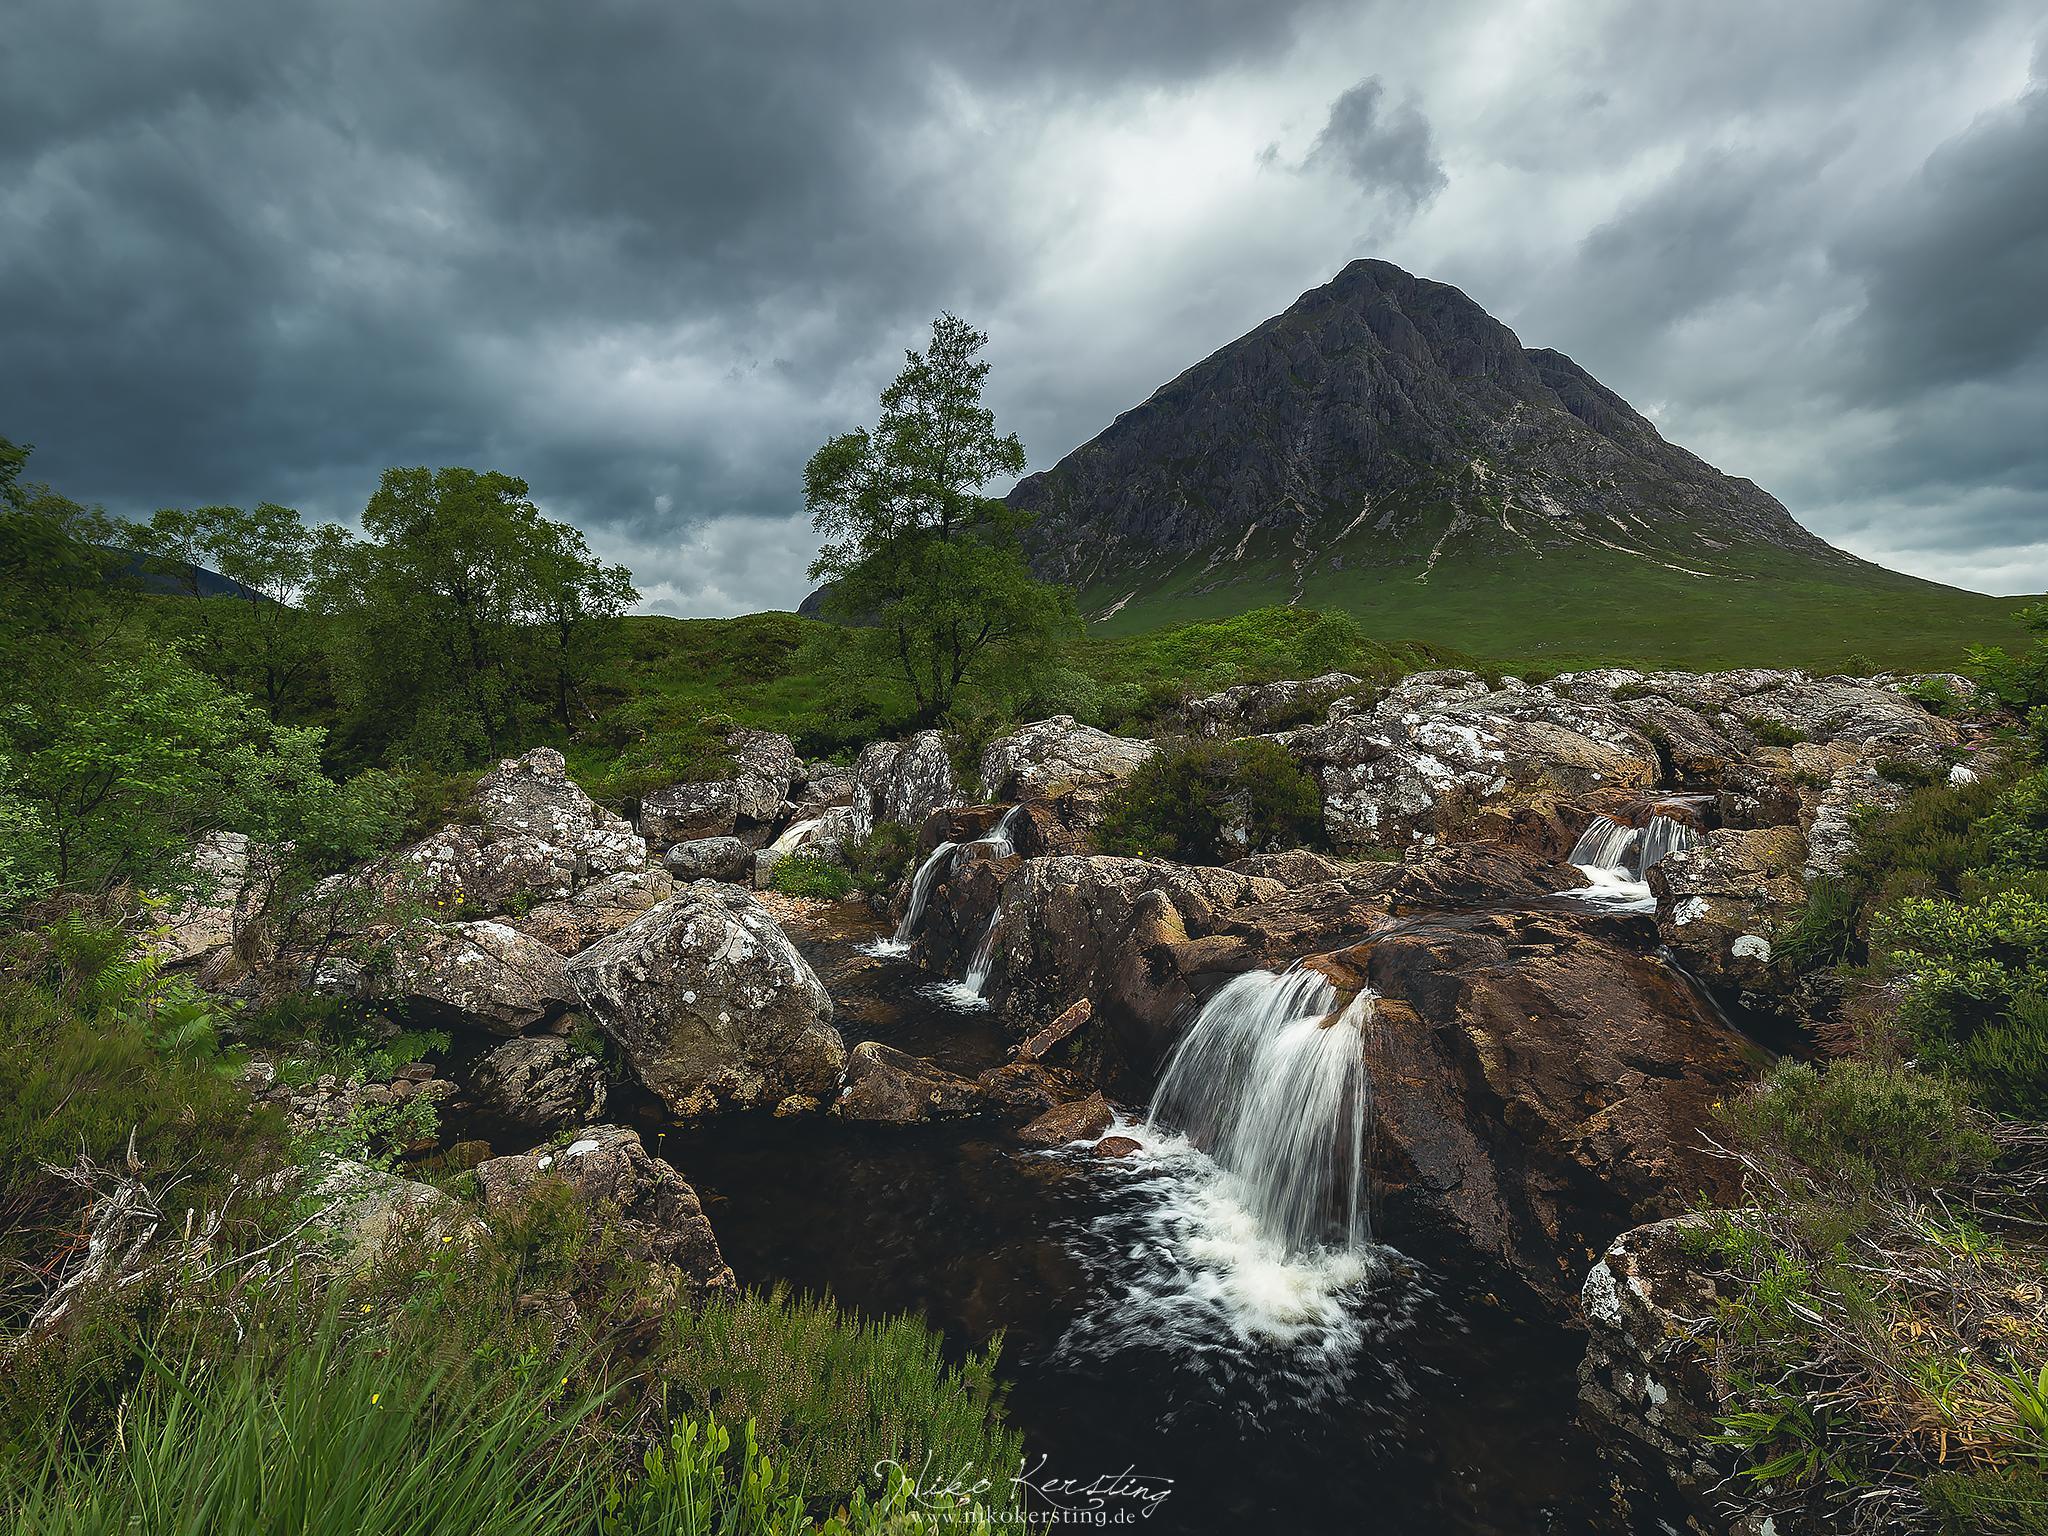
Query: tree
pixel 463 613
pixel 929 569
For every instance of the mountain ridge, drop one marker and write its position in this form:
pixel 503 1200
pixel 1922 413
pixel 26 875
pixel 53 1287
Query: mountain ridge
pixel 1386 398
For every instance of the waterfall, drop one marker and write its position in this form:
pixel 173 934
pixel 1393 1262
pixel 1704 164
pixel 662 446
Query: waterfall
pixel 1272 1085
pixel 999 842
pixel 1665 836
pixel 1605 844
pixel 967 993
pixel 920 888
pixel 793 837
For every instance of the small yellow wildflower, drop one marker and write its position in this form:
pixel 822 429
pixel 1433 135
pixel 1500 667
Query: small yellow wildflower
pixel 373 1398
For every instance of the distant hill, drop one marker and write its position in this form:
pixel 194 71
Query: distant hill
pixel 1388 448
pixel 152 575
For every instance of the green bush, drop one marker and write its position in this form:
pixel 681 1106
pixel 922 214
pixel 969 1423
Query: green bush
pixel 1860 1126
pixel 1204 802
pixel 801 874
pixel 879 861
pixel 834 1394
pixel 1775 733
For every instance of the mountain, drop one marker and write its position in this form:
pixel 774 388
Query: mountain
pixel 1387 447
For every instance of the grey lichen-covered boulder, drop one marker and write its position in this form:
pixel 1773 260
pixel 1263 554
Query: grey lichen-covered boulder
pixel 1253 708
pixel 532 796
pixel 484 975
pixel 902 781
pixel 596 908
pixel 763 766
pixel 1645 1386
pixel 709 858
pixel 1059 756
pixel 222 897
pixel 712 1005
pixel 363 1211
pixel 1722 903
pixel 890 1087
pixel 540 1083
pixel 620 1185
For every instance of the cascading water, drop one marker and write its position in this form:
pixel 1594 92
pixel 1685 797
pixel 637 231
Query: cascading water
pixel 967 993
pixel 1274 1088
pixel 898 944
pixel 1245 1230
pixel 1616 859
pixel 794 835
pixel 999 842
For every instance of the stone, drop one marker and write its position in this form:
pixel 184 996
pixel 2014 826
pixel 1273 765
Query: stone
pixel 1059 756
pixel 364 1212
pixel 1538 1087
pixel 619 1185
pixel 595 909
pixel 532 796
pixel 762 765
pixel 1117 1146
pixel 709 858
pixel 1722 903
pixel 1253 708
pixel 1055 1034
pixel 1645 1387
pixel 540 1083
pixel 902 782
pixel 1084 1120
pixel 712 1006
pixel 890 1087
pixel 482 975
pixel 688 812
pixel 221 900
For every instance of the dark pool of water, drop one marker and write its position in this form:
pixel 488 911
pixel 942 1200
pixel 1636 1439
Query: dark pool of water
pixel 1420 1407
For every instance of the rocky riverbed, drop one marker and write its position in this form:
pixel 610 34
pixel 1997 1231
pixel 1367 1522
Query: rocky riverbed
pixel 958 1123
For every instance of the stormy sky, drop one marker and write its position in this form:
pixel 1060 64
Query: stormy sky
pixel 649 255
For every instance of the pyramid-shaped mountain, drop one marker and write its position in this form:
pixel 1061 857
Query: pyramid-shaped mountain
pixel 1387 447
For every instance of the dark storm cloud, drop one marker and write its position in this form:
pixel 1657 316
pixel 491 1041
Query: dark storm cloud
pixel 1382 148
pixel 648 255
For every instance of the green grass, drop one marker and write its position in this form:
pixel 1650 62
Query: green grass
pixel 1590 606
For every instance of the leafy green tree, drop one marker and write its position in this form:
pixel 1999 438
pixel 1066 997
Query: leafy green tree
pixel 929 570
pixel 2019 680
pixel 463 614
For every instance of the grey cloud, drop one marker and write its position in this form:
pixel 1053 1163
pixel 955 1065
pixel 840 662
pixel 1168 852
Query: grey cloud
pixel 1382 149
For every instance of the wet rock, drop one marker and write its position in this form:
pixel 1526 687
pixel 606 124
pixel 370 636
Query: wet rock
pixel 1059 757
pixel 540 1083
pixel 482 975
pixel 1253 708
pixel 1084 1120
pixel 890 1087
pixel 1722 903
pixel 623 1187
pixel 595 909
pixel 1538 1087
pixel 1645 1387
pixel 1117 1146
pixel 710 858
pixel 1043 1042
pixel 712 1005
pixel 1024 1090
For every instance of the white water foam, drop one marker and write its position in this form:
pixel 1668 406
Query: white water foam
pixel 1616 860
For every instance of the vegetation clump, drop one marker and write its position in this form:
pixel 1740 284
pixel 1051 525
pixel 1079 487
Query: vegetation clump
pixel 1206 802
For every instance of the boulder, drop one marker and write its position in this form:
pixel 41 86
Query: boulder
pixel 221 899
pixel 532 796
pixel 364 1211
pixel 539 1083
pixel 1538 1087
pixel 596 908
pixel 1059 757
pixel 622 1186
pixel 710 858
pixel 1118 1146
pixel 1646 1389
pixel 763 765
pixel 712 1005
pixel 819 787
pixel 890 1087
pixel 1722 902
pixel 1254 708
pixel 1083 1120
pixel 485 975
pixel 1831 824
pixel 902 781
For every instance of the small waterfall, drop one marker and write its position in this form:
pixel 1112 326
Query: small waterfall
pixel 1665 836
pixel 793 837
pixel 967 993
pixel 920 889
pixel 999 842
pixel 1605 844
pixel 1273 1086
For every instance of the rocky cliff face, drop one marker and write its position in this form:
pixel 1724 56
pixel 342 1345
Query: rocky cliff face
pixel 1385 420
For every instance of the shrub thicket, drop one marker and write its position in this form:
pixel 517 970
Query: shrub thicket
pixel 1204 802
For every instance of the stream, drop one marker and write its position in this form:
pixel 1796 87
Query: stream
pixel 1170 1366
